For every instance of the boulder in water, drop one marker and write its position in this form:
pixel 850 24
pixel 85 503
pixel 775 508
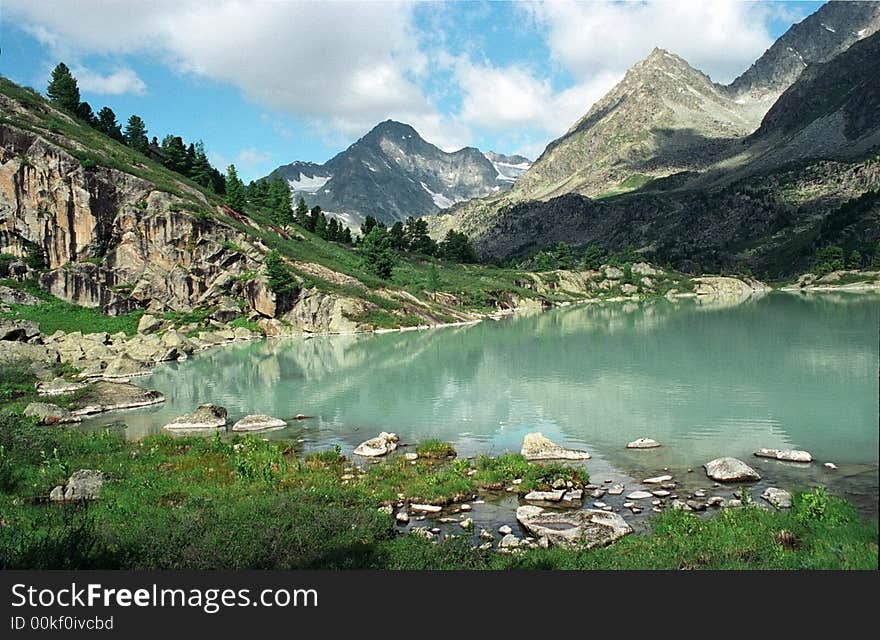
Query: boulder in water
pixel 381 445
pixel 729 469
pixel 537 447
pixel 587 528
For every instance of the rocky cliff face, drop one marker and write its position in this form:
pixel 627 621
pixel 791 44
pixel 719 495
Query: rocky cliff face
pixel 115 241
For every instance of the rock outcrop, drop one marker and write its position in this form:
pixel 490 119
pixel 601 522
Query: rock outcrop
pixel 788 455
pixel 381 445
pixel 258 422
pixel 587 528
pixel 207 417
pixel 729 469
pixel 537 447
pixel 84 484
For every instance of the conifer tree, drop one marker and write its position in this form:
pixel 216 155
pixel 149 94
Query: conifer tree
pixel 135 134
pixel 235 197
pixel 63 90
pixel 108 125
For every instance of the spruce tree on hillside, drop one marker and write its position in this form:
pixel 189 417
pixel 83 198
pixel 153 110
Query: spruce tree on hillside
pixel 563 256
pixel 135 134
pixel 84 112
pixel 108 125
pixel 63 90
pixel 457 247
pixel 302 213
pixel 376 252
pixel 417 237
pixel 234 190
pixel 279 200
pixel 201 168
pixel 398 237
pixel 174 152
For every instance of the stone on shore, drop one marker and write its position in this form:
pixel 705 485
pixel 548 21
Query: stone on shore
pixel 425 508
pixel 729 469
pixel 537 447
pixel 789 455
pixel 588 528
pixel 643 443
pixel 208 417
pixel 85 484
pixel 381 445
pixel 109 396
pixel 779 498
pixel 258 422
pixel 49 413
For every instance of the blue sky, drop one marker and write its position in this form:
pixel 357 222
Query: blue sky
pixel 265 83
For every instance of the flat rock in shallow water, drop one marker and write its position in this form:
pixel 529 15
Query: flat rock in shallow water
pixel 425 508
pixel 640 495
pixel 779 498
pixel 208 417
pixel 657 480
pixel 537 447
pixel 616 490
pixel 643 443
pixel 258 422
pixel 545 496
pixel 109 396
pixel 379 446
pixel 588 527
pixel 789 455
pixel 729 469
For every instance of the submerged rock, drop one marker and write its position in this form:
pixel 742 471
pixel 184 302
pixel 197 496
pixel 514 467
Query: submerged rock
pixel 729 469
pixel 49 413
pixel 789 455
pixel 208 417
pixel 381 445
pixel 588 528
pixel 643 443
pixel 779 498
pixel 258 422
pixel 537 447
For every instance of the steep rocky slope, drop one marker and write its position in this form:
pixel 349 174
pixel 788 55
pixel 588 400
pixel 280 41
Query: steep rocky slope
pixel 118 232
pixel 805 178
pixel 392 173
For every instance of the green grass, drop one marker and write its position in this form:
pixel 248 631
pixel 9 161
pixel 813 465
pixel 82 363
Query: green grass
pixel 435 449
pixel 207 503
pixel 54 314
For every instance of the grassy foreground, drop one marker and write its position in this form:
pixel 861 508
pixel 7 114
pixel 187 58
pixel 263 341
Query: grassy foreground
pixel 206 503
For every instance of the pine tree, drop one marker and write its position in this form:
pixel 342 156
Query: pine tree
pixel 368 225
pixel 855 260
pixel 135 134
pixel 234 190
pixel 201 168
pixel 376 252
pixel 417 237
pixel 84 112
pixel 174 152
pixel 321 224
pixel 563 256
pixel 302 213
pixel 346 236
pixel 333 229
pixel 108 125
pixel 279 201
pixel 457 247
pixel 875 260
pixel 398 237
pixel 63 90
pixel 543 262
pixel 592 258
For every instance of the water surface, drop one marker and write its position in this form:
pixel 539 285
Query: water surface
pixel 706 380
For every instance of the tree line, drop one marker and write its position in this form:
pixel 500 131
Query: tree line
pixel 188 160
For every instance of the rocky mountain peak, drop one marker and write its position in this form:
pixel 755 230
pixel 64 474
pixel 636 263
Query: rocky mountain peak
pixel 818 38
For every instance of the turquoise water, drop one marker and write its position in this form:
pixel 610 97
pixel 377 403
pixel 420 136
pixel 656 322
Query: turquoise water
pixel 781 371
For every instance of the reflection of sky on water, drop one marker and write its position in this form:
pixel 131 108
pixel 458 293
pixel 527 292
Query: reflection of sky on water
pixel 775 372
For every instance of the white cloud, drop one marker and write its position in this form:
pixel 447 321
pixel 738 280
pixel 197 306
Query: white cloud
pixel 350 62
pixel 118 82
pixel 721 38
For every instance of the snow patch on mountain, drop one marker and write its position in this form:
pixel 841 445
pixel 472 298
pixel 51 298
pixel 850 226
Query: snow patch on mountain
pixel 308 184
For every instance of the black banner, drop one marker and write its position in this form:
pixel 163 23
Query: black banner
pixel 227 604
